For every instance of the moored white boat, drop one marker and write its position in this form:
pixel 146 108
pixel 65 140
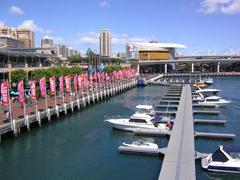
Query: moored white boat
pixel 208 81
pixel 136 121
pixel 207 91
pixel 140 144
pixel 214 100
pixel 225 159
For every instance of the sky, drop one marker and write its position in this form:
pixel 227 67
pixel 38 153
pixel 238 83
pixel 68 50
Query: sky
pixel 204 26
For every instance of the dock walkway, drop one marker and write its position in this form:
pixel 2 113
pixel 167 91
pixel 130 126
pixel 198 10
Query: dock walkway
pixel 179 160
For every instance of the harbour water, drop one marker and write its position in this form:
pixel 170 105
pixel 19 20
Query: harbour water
pixel 82 146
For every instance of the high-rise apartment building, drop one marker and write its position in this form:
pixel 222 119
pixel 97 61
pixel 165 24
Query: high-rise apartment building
pixel 46 42
pixel 8 41
pixel 105 43
pixel 24 35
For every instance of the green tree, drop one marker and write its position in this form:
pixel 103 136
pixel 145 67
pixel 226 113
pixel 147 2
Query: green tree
pixel 75 70
pixel 75 59
pixel 18 75
pixel 112 68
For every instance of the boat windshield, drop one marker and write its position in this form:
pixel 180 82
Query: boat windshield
pixel 212 100
pixel 142 111
pixel 137 120
pixel 235 155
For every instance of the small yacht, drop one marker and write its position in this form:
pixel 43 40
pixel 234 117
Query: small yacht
pixel 207 91
pixel 214 100
pixel 140 144
pixel 136 121
pixel 208 81
pixel 225 159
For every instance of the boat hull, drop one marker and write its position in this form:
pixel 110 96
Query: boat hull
pixel 132 127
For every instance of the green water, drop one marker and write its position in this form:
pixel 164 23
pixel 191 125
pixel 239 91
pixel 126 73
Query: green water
pixel 81 146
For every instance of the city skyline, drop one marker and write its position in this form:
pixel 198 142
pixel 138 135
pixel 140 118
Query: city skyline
pixel 205 26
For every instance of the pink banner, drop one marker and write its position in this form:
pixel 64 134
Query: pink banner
pixel 75 83
pixel 68 83
pixel 79 81
pixel 21 92
pixel 4 93
pixel 42 83
pixel 52 85
pixel 60 79
pixel 33 90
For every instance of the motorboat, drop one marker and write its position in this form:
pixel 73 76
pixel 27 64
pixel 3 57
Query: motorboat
pixel 207 91
pixel 136 121
pixel 140 144
pixel 225 159
pixel 208 81
pixel 214 100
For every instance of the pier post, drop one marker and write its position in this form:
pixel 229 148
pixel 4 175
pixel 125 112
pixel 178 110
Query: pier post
pixel 39 118
pixel 218 67
pixel 57 111
pixel 165 68
pixel 27 122
pixel 78 103
pixel 48 115
pixel 15 131
pixel 65 108
pixel 192 68
pixel 71 105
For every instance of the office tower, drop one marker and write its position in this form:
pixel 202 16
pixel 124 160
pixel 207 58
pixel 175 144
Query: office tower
pixel 105 43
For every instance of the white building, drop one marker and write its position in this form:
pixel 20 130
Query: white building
pixel 152 50
pixel 46 42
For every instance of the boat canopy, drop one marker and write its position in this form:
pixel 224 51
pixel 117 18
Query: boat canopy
pixel 219 156
pixel 148 107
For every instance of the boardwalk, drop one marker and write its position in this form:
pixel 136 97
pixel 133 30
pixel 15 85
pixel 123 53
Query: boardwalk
pixel 179 160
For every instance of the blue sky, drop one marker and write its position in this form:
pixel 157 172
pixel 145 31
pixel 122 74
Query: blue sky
pixel 204 26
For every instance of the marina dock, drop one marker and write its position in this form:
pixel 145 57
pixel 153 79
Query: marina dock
pixel 179 160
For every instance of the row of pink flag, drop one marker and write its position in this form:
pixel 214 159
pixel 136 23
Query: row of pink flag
pixel 80 82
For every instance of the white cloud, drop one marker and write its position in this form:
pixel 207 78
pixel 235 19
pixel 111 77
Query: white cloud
pixel 103 3
pixel 29 24
pixel 88 38
pixel 16 10
pixel 220 6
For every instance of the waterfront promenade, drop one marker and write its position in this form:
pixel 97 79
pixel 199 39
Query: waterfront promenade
pixel 60 105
